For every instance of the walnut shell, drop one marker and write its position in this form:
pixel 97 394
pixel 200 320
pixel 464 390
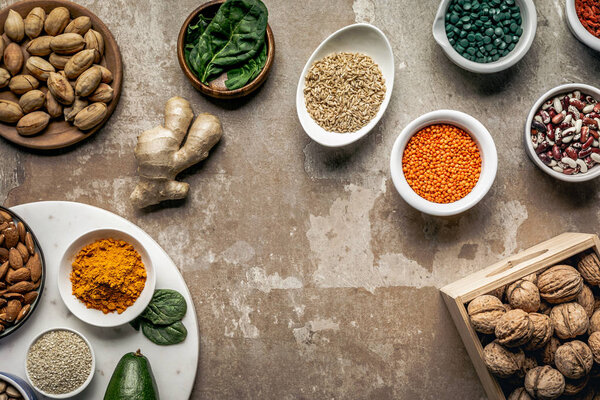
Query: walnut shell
pixel 589 268
pixel 574 359
pixel 569 320
pixel 524 295
pixel 546 354
pixel 533 278
pixel 545 308
pixel 484 313
pixel 544 383
pixel 560 284
pixel 575 386
pixel 499 292
pixel 542 331
pixel 520 394
pixel 586 300
pixel 594 322
pixel 594 345
pixel 514 328
pixel 501 361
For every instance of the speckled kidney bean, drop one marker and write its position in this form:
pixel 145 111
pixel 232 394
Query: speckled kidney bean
pixel 565 133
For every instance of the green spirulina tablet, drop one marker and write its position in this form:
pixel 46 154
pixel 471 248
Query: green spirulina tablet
pixel 483 30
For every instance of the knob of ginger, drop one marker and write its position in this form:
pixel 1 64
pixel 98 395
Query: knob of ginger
pixel 161 156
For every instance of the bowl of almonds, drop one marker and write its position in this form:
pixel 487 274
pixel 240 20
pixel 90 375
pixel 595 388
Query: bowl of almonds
pixel 22 272
pixel 60 76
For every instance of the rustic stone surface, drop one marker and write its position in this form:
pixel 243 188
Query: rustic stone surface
pixel 311 277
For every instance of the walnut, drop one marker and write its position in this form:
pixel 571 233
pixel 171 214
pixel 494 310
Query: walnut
pixel 586 300
pixel 499 292
pixel 520 394
pixel 533 278
pixel 546 354
pixel 589 267
pixel 596 303
pixel 514 328
pixel 545 308
pixel 560 284
pixel 524 295
pixel 594 344
pixel 484 312
pixel 501 361
pixel 542 331
pixel 595 322
pixel 544 383
pixel 569 320
pixel 575 386
pixel 574 359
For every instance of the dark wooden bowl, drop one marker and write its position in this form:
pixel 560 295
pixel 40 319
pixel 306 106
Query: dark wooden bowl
pixel 209 10
pixel 60 133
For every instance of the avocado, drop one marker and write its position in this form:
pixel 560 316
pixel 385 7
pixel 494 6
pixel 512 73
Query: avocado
pixel 132 379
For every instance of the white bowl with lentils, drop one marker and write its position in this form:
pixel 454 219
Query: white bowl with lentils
pixel 60 363
pixel 346 85
pixel 562 132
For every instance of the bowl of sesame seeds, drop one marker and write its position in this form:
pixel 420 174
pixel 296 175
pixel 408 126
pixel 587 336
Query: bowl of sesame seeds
pixel 60 363
pixel 444 162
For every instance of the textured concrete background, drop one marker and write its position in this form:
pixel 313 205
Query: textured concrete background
pixel 311 277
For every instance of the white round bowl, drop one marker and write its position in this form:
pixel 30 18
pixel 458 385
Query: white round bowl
pixel 80 388
pixel 93 316
pixel 579 30
pixel 357 38
pixel 569 87
pixel 487 150
pixel 529 25
pixel 19 383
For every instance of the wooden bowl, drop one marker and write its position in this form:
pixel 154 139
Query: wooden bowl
pixel 60 133
pixel 209 10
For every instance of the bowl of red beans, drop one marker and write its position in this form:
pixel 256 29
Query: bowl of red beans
pixel 444 162
pixel 583 18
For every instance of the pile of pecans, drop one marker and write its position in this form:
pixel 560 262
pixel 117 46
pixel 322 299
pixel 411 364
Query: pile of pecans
pixel 565 133
pixel 20 271
pixel 9 392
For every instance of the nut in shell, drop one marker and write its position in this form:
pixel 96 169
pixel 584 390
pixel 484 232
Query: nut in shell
pixel 61 89
pixel 39 46
pixel 107 76
pixel 13 58
pixel 586 300
pixel 523 294
pixel 484 313
pixel 91 116
pixel 594 345
pixel 57 20
pixel 33 123
pixel 560 284
pixel 22 84
pixel 547 353
pixel 103 93
pixel 79 63
pixel 595 322
pixel 32 100
pixel 542 331
pixel 79 25
pixel 87 82
pixel 95 41
pixel 79 104
pixel 514 328
pixel 10 111
pixel 589 267
pixel 501 361
pixel 39 68
pixel 14 27
pixel 67 43
pixel 34 22
pixel 569 320
pixel 59 61
pixel 52 106
pixel 544 383
pixel 520 394
pixel 4 77
pixel 574 359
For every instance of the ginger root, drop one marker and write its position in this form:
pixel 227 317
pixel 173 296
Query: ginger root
pixel 161 156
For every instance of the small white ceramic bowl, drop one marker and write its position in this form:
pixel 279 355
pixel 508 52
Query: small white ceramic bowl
pixel 357 38
pixel 93 316
pixel 562 89
pixel 80 388
pixel 487 150
pixel 529 25
pixel 579 30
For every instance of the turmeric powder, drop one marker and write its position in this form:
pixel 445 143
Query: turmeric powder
pixel 108 275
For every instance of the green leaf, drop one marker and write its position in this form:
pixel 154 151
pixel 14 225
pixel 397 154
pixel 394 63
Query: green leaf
pixel 166 307
pixel 164 335
pixel 135 324
pixel 234 36
pixel 241 76
pixel 193 32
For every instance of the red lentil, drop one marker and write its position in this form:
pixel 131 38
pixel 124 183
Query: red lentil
pixel 441 163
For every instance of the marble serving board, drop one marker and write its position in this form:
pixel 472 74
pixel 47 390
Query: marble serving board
pixel 56 224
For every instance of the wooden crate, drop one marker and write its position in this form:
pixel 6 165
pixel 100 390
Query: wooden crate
pixel 536 258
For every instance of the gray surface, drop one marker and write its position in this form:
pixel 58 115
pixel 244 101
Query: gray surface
pixel 311 277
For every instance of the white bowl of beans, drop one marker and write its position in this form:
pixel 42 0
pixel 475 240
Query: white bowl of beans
pixel 562 131
pixel 577 28
pixel 471 176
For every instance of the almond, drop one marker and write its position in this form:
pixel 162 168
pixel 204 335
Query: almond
pixel 33 123
pixel 56 21
pixel 18 275
pixel 30 297
pixel 12 310
pixel 24 311
pixel 95 41
pixel 3 269
pixel 35 267
pixel 14 27
pixel 14 259
pixel 11 237
pixel 22 84
pixel 79 25
pixel 13 58
pixel 39 67
pixel 34 22
pixel 61 89
pixel 23 250
pixel 32 100
pixel 10 111
pixel 29 243
pixel 21 287
pixel 91 116
pixel 67 43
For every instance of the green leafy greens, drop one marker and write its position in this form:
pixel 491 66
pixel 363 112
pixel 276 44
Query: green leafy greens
pixel 161 320
pixel 233 42
pixel 164 335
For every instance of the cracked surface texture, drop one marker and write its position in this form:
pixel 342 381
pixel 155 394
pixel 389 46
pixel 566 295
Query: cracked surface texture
pixel 310 276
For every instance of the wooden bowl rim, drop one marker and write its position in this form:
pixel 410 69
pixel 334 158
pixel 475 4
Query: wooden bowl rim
pixel 28 141
pixel 217 93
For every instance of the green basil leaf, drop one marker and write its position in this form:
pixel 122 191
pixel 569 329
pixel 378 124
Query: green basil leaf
pixel 234 36
pixel 241 76
pixel 164 335
pixel 166 307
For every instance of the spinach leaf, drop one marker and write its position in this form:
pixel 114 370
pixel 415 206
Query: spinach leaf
pixel 234 36
pixel 193 32
pixel 136 323
pixel 239 77
pixel 164 335
pixel 166 307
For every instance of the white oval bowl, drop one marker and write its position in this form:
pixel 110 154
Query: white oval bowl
pixel 487 150
pixel 569 87
pixel 529 25
pixel 80 388
pixel 356 38
pixel 577 29
pixel 93 316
